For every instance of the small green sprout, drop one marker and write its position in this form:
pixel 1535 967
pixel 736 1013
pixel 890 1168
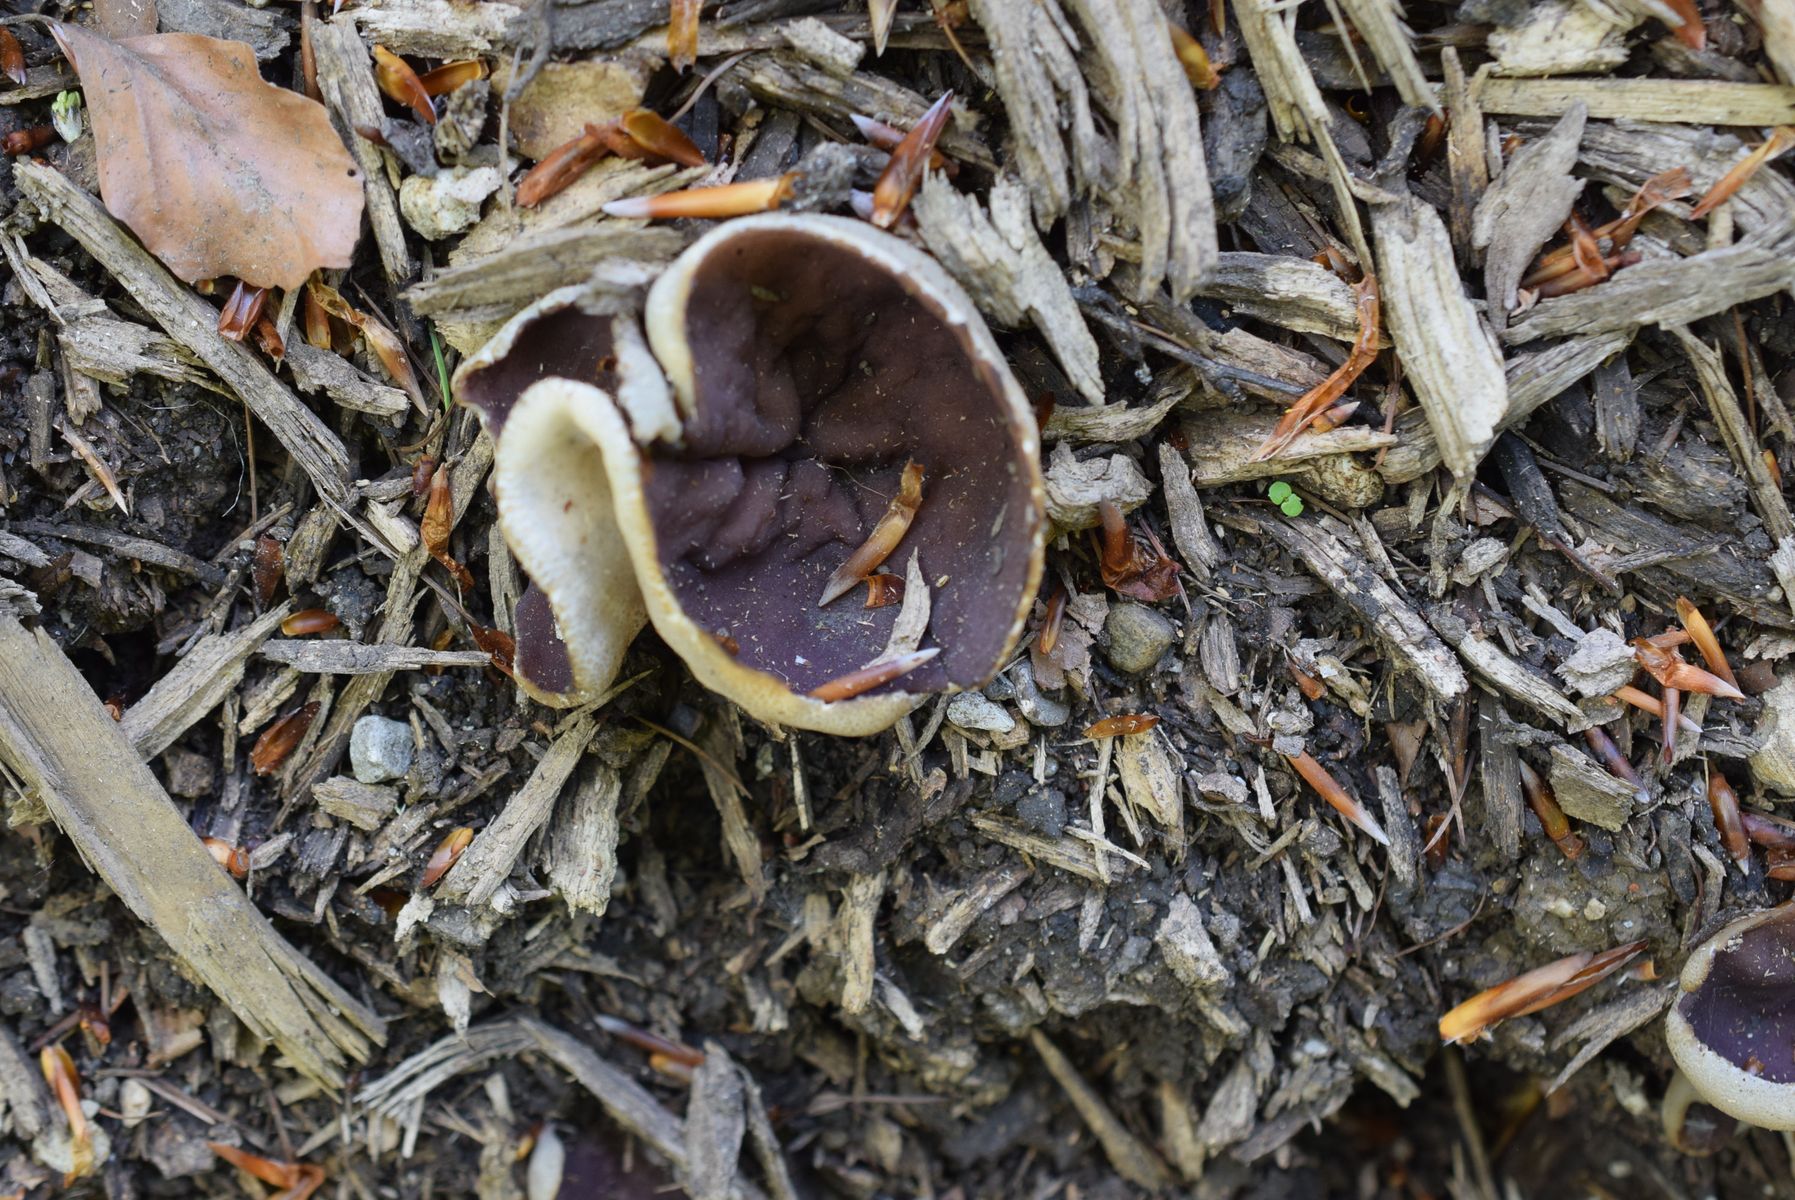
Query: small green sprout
pixel 1285 497
pixel 65 115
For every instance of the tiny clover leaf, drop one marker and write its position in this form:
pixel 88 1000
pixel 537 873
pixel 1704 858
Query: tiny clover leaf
pixel 1292 506
pixel 1278 492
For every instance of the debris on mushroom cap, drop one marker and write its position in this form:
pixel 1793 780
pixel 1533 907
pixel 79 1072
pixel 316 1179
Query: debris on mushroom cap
pixel 811 358
pixel 1733 1030
pixel 581 610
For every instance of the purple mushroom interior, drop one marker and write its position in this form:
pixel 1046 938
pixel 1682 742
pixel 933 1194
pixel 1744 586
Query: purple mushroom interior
pixel 1744 1009
pixel 571 344
pixel 818 375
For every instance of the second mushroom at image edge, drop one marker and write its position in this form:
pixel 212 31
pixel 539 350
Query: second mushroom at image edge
pixel 799 374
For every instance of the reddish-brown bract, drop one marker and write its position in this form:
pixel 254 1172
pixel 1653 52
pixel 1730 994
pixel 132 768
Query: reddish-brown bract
pixel 448 853
pixel 729 200
pixel 1145 573
pixel 682 32
pixel 12 57
pixel 1539 988
pixel 1119 726
pixel 1194 59
pixel 266 569
pixel 28 141
pixel 281 738
pixel 884 538
pixel 241 311
pixel 234 859
pixel 297 1181
pixel 1320 398
pixel 1724 188
pixel 1551 816
pixel 855 683
pixel 438 523
pixel 309 621
pixel 451 75
pixel 1702 634
pixel 402 85
pixel 1329 789
pixel 903 174
pixel 1052 619
pixel 884 588
pixel 1728 820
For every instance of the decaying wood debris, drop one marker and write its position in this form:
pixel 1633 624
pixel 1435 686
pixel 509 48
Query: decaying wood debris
pixel 1414 390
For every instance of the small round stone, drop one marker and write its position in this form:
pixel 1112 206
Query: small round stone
pixel 380 750
pixel 1044 811
pixel 1135 637
pixel 970 710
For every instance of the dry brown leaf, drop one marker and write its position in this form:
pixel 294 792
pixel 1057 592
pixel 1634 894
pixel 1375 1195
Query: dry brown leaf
pixel 215 170
pixel 125 18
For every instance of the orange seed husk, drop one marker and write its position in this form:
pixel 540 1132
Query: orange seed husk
pixel 309 620
pixel 729 200
pixel 1702 634
pixel 281 738
pixel 682 33
pixel 12 57
pixel 1194 59
pixel 444 79
pixel 1317 777
pixel 1539 988
pixel 658 137
pixel 1122 725
pixel 903 174
pixel 1780 139
pixel 1669 669
pixel 1723 801
pixel 854 683
pixel 401 84
pixel 448 853
pixel 883 539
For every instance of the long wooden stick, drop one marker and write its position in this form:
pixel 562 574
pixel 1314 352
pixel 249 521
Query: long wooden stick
pixel 57 738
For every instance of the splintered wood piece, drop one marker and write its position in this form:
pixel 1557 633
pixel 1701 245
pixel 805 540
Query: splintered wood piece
pixel 884 538
pixel 58 739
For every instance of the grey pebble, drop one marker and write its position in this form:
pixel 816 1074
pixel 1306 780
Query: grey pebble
pixel 1135 637
pixel 380 750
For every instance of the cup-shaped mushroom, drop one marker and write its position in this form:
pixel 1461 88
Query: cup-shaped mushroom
pixel 837 405
pixel 1732 1031
pixel 581 608
pixel 842 404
